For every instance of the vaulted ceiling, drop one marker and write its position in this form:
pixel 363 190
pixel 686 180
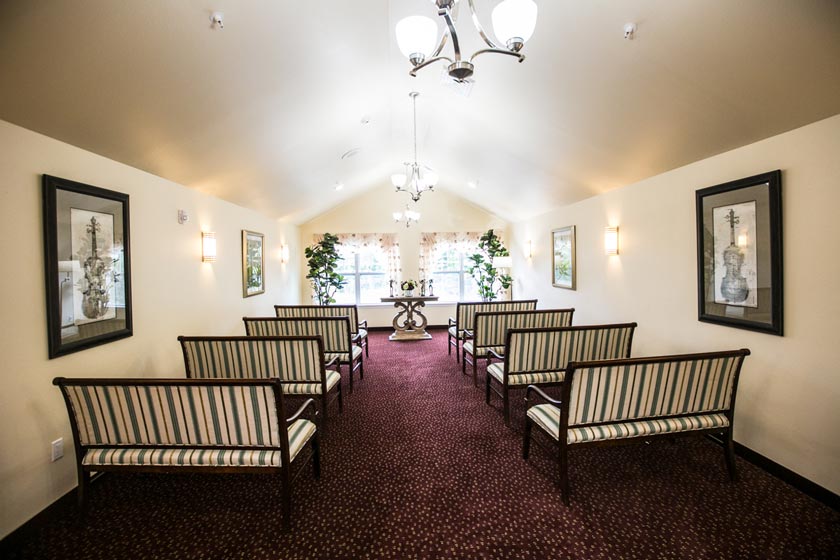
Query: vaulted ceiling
pixel 260 112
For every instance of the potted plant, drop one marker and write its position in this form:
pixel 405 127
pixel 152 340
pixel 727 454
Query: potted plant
pixel 407 287
pixel 322 258
pixel 490 281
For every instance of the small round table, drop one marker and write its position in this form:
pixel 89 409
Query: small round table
pixel 409 328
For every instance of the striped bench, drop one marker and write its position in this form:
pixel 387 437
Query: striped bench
pixel 298 362
pixel 619 401
pixel 491 328
pixel 540 356
pixel 465 316
pixel 358 328
pixel 334 331
pixel 187 425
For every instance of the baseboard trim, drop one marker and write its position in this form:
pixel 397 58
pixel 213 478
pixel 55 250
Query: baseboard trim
pixel 373 329
pixel 26 532
pixel 807 487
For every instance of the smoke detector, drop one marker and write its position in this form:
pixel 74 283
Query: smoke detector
pixel 217 20
pixel 630 31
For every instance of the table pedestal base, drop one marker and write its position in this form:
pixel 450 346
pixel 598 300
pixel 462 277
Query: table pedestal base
pixel 410 335
pixel 410 323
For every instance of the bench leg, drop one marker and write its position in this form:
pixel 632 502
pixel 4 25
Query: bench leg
pixel 458 350
pixel 367 348
pixel 487 390
pixel 729 453
pixel 526 440
pixel 361 368
pixel 564 474
pixel 350 370
pixel 324 404
pixel 286 499
pixel 475 370
pixel 464 363
pixel 449 343
pixel 340 400
pixel 506 403
pixel 82 491
pixel 316 455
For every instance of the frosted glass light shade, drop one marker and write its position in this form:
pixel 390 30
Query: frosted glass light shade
pixel 208 246
pixel 430 178
pixel 514 19
pixel 416 35
pixel 398 179
pixel 611 240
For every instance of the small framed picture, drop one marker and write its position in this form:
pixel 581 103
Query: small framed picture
pixel 88 265
pixel 563 258
pixel 253 263
pixel 739 253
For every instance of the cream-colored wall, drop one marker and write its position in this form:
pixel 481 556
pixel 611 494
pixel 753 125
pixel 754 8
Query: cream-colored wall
pixel 789 396
pixel 371 212
pixel 173 293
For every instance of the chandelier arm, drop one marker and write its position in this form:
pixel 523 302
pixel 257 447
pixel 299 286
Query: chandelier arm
pixel 414 70
pixel 440 46
pixel 447 17
pixel 480 29
pixel 520 56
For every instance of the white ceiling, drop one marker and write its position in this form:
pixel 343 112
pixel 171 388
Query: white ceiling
pixel 259 113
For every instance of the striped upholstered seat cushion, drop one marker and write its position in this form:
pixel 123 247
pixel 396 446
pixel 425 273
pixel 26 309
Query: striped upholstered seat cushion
pixel 497 370
pixel 456 333
pixel 299 434
pixel 342 356
pixel 548 417
pixel 333 377
pixel 468 347
pixel 362 334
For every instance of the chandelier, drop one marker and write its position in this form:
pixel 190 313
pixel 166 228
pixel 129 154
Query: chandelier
pixel 513 24
pixel 408 216
pixel 417 178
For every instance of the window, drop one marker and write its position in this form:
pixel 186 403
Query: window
pixel 452 280
pixel 369 262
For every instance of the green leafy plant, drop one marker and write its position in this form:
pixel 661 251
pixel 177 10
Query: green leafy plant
pixel 490 281
pixel 322 258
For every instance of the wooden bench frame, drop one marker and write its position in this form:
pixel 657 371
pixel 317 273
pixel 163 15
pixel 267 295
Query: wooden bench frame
pixel 352 364
pixel 471 335
pixel 464 307
pixel 562 446
pixel 504 390
pixel 330 311
pixel 284 470
pixel 323 397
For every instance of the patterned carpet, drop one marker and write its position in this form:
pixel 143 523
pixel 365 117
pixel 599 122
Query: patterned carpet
pixel 419 467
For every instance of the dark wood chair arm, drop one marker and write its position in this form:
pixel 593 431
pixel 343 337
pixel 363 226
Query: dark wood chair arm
pixel 468 334
pixel 332 362
pixel 300 411
pixel 363 324
pixel 452 322
pixel 356 338
pixel 540 393
pixel 494 354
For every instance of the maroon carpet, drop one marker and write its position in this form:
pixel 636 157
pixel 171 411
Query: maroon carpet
pixel 419 467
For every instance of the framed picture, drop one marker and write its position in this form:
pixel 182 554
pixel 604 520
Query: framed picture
pixel 87 265
pixel 563 257
pixel 739 253
pixel 253 263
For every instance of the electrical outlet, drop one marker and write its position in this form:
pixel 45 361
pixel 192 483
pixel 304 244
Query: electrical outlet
pixel 57 449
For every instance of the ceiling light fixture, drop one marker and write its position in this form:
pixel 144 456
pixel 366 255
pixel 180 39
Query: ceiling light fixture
pixel 513 24
pixel 408 216
pixel 417 178
pixel 339 186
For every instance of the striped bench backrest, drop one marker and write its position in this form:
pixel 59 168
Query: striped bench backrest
pixel 491 328
pixel 625 390
pixel 465 311
pixel 291 359
pixel 335 331
pixel 552 349
pixel 175 412
pixel 306 311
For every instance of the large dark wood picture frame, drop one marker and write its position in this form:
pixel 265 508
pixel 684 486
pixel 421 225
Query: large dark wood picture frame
pixel 739 253
pixel 87 262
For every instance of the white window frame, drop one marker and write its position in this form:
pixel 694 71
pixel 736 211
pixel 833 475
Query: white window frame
pixel 357 275
pixel 463 274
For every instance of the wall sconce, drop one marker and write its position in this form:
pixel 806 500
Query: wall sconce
pixel 530 249
pixel 611 240
pixel 284 254
pixel 208 246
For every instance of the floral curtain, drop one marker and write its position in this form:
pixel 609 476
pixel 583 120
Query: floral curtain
pixel 385 242
pixel 463 242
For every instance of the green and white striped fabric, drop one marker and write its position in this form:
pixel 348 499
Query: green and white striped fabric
pixel 626 392
pixel 456 333
pixel 465 316
pixel 175 415
pixel 290 360
pixel 548 418
pixel 342 356
pixel 539 350
pixel 335 331
pixel 333 377
pixel 309 311
pixel 497 370
pixel 469 348
pixel 491 330
pixel 299 433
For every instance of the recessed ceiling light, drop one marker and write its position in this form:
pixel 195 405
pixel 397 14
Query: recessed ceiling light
pixel 339 186
pixel 350 153
pixel 473 184
pixel 365 119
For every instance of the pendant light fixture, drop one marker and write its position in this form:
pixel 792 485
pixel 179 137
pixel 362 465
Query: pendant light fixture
pixel 513 25
pixel 417 178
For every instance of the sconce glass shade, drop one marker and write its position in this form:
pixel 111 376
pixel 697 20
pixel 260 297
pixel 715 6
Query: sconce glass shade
pixel 611 240
pixel 514 21
pixel 503 262
pixel 284 254
pixel 417 36
pixel 208 246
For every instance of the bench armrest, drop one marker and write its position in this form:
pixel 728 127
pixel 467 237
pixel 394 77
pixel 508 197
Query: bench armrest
pixel 452 322
pixel 332 362
pixel 300 411
pixel 468 334
pixel 356 338
pixel 363 324
pixel 495 355
pixel 542 394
